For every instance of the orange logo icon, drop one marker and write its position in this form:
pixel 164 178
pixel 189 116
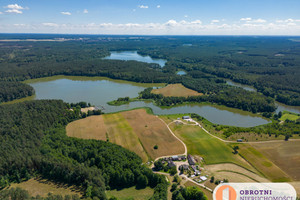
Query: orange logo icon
pixel 225 192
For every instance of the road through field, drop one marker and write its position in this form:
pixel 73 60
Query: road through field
pixel 185 148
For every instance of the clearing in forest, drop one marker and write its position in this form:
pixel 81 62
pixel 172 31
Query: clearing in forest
pixel 131 193
pixel 176 90
pixel 135 130
pixel 42 187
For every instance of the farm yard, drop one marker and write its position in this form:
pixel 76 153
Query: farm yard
pixel 176 90
pixel 135 130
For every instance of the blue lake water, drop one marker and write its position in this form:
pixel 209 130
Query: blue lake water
pixel 133 55
pixel 99 92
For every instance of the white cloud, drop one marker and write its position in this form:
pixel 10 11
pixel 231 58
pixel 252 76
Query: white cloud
pixel 50 24
pixel 196 22
pixel 65 13
pixel 14 8
pixel 85 11
pixel 258 21
pixel 14 11
pixel 143 6
pixel 1 13
pixel 246 19
pixel 288 21
pixel 215 21
pixel 158 6
pixel 186 16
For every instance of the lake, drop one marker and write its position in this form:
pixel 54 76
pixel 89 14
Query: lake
pixel 98 91
pixel 280 106
pixel 133 55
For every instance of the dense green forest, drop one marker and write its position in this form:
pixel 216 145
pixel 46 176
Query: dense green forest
pixel 33 142
pixel 14 90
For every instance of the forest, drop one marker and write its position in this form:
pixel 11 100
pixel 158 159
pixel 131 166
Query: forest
pixel 33 143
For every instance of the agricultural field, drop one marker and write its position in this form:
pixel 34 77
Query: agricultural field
pixel 176 90
pixel 285 154
pixel 42 187
pixel 211 149
pixel 130 193
pixel 135 130
pixel 290 116
pixel 233 173
pixel 265 166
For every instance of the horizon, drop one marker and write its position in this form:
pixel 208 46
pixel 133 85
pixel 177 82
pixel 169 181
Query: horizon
pixel 155 17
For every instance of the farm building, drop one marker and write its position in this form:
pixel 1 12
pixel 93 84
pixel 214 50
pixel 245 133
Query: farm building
pixel 181 157
pixel 171 164
pixel 239 140
pixel 184 167
pixel 191 160
pixel 175 158
pixel 186 117
pixel 203 178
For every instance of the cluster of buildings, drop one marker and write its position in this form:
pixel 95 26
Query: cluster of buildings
pixel 192 164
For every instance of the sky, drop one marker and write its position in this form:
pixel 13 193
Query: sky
pixel 151 17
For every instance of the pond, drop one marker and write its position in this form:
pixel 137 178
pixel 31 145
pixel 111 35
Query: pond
pixel 99 91
pixel 133 55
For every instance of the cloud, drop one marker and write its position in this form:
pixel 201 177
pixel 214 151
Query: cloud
pixel 215 21
pixel 259 21
pixel 246 19
pixel 65 13
pixel 14 11
pixel 50 24
pixel 14 8
pixel 85 11
pixel 1 13
pixel 186 16
pixel 170 27
pixel 288 21
pixel 158 6
pixel 143 6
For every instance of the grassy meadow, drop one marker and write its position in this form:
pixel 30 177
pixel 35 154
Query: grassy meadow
pixel 211 149
pixel 131 193
pixel 42 187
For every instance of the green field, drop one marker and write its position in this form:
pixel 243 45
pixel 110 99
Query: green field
pixel 288 115
pixel 211 149
pixel 130 193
